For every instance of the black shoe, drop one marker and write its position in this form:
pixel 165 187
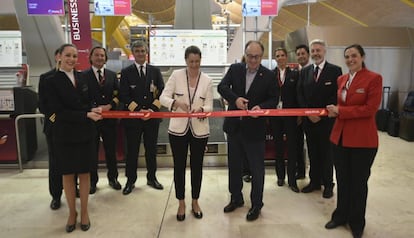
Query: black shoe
pixel 155 184
pixel 294 188
pixel 92 189
pixel 77 192
pixel 327 192
pixel 310 188
pixel 180 217
pixel 356 234
pixel 55 204
pixel 253 213
pixel 115 184
pixel 233 205
pixel 70 228
pixel 280 182
pixel 198 214
pixel 247 178
pixel 128 188
pixel 85 227
pixel 333 224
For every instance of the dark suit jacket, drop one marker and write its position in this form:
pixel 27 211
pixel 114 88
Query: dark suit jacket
pixel 135 89
pixel 263 92
pixel 43 98
pixel 288 91
pixel 102 95
pixel 70 105
pixel 319 94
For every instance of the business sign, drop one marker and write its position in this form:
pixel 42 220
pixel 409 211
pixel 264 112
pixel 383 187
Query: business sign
pixel 42 7
pixel 80 30
pixel 112 7
pixel 167 47
pixel 259 8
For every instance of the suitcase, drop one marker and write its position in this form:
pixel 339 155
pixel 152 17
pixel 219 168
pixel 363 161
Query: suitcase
pixel 407 126
pixel 409 102
pixel 384 113
pixel 393 128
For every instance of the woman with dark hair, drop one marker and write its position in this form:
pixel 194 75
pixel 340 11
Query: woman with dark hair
pixel 188 90
pixel 73 132
pixel 355 139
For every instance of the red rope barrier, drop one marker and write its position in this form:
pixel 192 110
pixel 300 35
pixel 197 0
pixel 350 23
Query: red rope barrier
pixel 233 113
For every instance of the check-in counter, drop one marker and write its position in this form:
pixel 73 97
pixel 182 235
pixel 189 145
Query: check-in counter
pixel 16 101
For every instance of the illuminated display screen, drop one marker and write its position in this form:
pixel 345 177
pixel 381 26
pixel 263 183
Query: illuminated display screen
pixel 259 8
pixel 112 7
pixel 42 7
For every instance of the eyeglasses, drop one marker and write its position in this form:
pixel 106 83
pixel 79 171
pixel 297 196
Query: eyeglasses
pixel 140 51
pixel 255 57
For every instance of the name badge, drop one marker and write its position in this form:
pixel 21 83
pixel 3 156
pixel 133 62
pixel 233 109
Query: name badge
pixel 360 90
pixel 328 83
pixel 152 87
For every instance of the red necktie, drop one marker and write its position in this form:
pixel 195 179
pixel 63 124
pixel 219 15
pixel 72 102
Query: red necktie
pixel 279 78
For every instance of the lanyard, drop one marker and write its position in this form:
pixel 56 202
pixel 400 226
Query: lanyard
pixel 191 98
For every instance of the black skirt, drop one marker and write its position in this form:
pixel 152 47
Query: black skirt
pixel 75 157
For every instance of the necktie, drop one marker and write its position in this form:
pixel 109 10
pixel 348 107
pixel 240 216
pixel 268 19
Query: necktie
pixel 141 71
pixel 315 74
pixel 100 78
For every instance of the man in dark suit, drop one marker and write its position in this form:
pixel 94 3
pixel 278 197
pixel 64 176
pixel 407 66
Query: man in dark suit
pixel 55 178
pixel 140 87
pixel 317 89
pixel 302 57
pixel 247 86
pixel 103 91
pixel 287 82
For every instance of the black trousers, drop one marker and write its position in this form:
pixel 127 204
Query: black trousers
pixel 238 147
pixel 134 130
pixel 300 162
pixel 353 168
pixel 106 129
pixel 281 126
pixel 55 177
pixel 179 147
pixel 320 152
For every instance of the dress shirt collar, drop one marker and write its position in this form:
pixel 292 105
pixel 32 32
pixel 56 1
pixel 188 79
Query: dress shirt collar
pixel 321 65
pixel 251 71
pixel 139 66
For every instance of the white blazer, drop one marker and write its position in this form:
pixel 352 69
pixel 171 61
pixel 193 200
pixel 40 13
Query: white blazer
pixel 177 88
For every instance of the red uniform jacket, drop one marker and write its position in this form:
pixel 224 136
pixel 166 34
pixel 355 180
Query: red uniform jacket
pixel 356 119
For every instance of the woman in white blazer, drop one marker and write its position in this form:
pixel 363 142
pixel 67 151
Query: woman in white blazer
pixel 188 90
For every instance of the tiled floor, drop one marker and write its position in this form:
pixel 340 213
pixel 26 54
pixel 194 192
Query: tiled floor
pixel 150 213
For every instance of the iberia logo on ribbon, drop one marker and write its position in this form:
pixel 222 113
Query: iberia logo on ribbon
pixel 232 113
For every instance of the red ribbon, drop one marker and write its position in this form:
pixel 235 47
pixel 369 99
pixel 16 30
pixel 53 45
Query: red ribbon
pixel 233 113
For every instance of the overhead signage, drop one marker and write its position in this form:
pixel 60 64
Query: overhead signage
pixel 112 7
pixel 42 7
pixel 80 31
pixel 259 8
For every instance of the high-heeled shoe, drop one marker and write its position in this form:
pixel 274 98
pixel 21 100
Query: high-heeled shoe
pixel 180 217
pixel 198 214
pixel 85 227
pixel 72 227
